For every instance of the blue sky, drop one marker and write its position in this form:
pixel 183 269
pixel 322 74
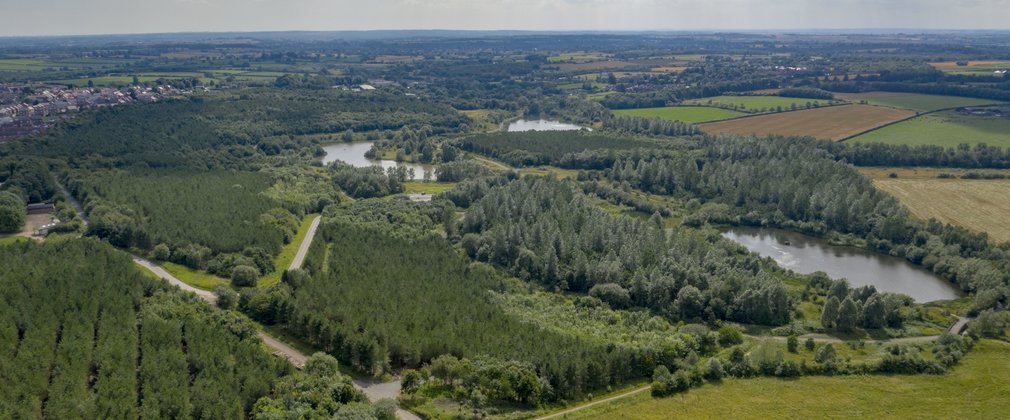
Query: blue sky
pixel 63 17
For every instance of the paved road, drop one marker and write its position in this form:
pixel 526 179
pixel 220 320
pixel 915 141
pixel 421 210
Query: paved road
pixel 598 402
pixel 303 248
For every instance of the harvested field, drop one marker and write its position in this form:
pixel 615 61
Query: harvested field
pixel 834 123
pixel 978 205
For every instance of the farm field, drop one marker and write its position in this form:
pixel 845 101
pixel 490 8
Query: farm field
pixel 947 128
pixel 757 102
pixel 979 205
pixel 974 389
pixel 914 101
pixel 690 114
pixel 984 67
pixel 833 123
pixel 577 56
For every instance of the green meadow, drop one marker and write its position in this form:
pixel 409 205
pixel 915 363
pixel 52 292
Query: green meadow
pixel 689 114
pixel 946 128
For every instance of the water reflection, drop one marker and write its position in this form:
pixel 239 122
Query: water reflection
pixel 354 154
pixel 805 254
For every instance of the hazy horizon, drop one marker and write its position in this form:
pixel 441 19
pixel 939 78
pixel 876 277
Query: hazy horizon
pixel 112 17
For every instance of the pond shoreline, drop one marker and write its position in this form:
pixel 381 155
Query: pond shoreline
pixel 806 254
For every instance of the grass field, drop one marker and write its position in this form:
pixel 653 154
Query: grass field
pixel 417 187
pixel 946 128
pixel 979 205
pixel 287 254
pixel 8 240
pixel 977 388
pixel 195 278
pixel 834 123
pixel 755 103
pixel 690 114
pixel 914 101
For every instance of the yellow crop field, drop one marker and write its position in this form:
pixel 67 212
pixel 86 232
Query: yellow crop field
pixel 979 205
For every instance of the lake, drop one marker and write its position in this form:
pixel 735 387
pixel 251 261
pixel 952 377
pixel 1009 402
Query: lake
pixel 543 125
pixel 354 155
pixel 806 254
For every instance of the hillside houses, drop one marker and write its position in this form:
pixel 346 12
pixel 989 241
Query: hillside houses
pixel 26 110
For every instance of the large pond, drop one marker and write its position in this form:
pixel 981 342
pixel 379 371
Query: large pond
pixel 543 125
pixel 354 154
pixel 805 254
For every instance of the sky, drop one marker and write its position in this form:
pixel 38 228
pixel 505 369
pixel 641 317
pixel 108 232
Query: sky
pixel 74 17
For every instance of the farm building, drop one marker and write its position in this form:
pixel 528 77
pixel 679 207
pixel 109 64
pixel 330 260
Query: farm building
pixel 41 208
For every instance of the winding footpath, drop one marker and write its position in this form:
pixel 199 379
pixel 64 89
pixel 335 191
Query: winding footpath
pixel 373 390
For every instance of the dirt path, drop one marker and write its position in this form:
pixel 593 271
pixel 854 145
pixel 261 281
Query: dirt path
pixel 160 272
pixel 373 390
pixel 303 248
pixel 77 204
pixel 597 402
pixel 283 350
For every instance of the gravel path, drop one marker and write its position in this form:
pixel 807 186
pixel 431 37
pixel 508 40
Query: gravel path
pixel 160 272
pixel 303 248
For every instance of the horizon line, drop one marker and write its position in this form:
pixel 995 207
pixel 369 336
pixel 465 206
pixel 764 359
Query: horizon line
pixel 856 31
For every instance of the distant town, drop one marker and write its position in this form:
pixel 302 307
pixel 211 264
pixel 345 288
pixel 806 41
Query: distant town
pixel 27 109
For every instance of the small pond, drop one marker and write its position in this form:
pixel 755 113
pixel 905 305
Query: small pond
pixel 354 154
pixel 543 125
pixel 806 254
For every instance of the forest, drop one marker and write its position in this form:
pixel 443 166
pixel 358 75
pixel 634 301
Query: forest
pixel 561 148
pixel 83 334
pixel 548 268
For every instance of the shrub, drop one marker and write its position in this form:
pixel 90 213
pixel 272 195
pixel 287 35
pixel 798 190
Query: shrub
pixel 611 293
pixel 161 252
pixel 729 336
pixel 226 298
pixel 244 276
pixel 714 370
pixel 825 354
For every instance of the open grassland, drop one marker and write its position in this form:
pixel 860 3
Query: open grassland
pixel 834 123
pixel 418 187
pixel 979 205
pixel 977 388
pixel 946 128
pixel 758 102
pixel 914 101
pixel 195 278
pixel 690 114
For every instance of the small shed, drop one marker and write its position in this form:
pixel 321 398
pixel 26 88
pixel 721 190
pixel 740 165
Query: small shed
pixel 41 208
